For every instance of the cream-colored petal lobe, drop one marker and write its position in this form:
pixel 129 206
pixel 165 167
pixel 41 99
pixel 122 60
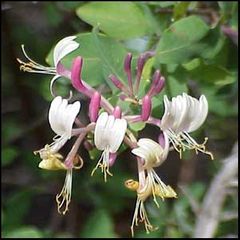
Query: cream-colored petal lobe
pixel 166 115
pixel 118 133
pixel 99 129
pixel 202 109
pixel 140 153
pixel 63 48
pixel 61 117
pixel 71 114
pixel 106 137
pixel 53 114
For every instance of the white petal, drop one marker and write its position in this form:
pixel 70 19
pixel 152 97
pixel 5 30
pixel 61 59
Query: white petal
pixel 53 114
pixel 140 153
pixel 166 115
pixel 118 133
pixel 99 128
pixel 63 48
pixel 201 114
pixel 61 118
pixel 71 114
pixel 107 130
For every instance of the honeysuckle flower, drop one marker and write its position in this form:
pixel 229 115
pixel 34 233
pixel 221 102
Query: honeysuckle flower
pixel 151 155
pixel 183 115
pixel 61 118
pixel 62 49
pixel 108 136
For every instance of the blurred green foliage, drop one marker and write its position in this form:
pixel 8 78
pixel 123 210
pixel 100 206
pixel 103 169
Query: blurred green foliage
pixel 192 52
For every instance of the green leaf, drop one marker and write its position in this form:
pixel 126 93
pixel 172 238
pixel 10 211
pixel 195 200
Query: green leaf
pixel 180 10
pixel 117 19
pixel 229 12
pixel 212 44
pixel 97 67
pixel 211 74
pixel 219 104
pixel 13 214
pixel 137 126
pixel 99 225
pixel 178 42
pixel 24 232
pixel 8 155
pixel 165 3
pixel 174 87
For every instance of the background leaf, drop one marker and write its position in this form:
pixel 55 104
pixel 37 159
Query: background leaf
pixel 117 19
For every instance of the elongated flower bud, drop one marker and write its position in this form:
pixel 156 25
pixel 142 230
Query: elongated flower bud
pixel 117 112
pixel 140 64
pixel 155 82
pixel 127 68
pixel 76 74
pixel 159 86
pixel 116 82
pixel 94 106
pixel 146 107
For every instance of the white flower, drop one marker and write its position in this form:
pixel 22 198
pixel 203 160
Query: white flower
pixel 183 115
pixel 108 136
pixel 62 49
pixel 61 118
pixel 151 152
pixel 152 155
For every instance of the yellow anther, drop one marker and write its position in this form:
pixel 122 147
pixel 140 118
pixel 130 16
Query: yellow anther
pixel 131 184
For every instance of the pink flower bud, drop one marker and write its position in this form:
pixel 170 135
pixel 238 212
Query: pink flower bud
pixel 117 112
pixel 116 82
pixel 127 68
pixel 122 97
pixel 76 74
pixel 159 86
pixel 88 145
pixel 140 64
pixel 94 106
pixel 146 108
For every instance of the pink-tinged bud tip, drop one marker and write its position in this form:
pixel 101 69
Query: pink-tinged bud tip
pixel 76 74
pixel 112 158
pixel 94 106
pixel 157 84
pixel 117 112
pixel 161 140
pixel 88 145
pixel 160 85
pixel 127 68
pixel 146 108
pixel 122 97
pixel 116 82
pixel 127 62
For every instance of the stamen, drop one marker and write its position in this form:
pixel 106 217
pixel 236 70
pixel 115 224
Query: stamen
pixel 53 91
pixel 64 197
pixel 103 163
pixel 183 141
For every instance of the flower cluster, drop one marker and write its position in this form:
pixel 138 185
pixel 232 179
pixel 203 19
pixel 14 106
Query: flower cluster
pixel 109 127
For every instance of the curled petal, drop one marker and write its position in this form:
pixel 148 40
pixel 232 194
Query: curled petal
pixel 63 48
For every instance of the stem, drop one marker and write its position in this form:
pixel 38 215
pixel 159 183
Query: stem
pixel 137 118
